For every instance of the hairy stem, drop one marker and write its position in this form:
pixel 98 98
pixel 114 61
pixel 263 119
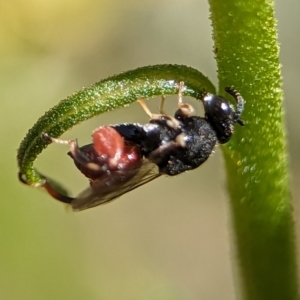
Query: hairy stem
pixel 247 56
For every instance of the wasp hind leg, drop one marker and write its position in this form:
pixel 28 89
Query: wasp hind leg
pixel 76 153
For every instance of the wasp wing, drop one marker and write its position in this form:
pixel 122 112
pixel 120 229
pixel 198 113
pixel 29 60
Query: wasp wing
pixel 114 185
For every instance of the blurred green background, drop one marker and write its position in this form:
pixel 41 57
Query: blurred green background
pixel 166 240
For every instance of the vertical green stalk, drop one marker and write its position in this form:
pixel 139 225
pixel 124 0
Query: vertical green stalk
pixel 247 53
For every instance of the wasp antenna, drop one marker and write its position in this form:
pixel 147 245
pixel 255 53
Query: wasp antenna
pixel 240 122
pixel 239 103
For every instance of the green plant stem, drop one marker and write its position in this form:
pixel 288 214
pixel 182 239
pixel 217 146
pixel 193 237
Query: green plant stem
pixel 247 56
pixel 108 94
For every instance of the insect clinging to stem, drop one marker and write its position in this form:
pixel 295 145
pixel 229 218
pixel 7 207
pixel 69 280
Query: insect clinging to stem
pixel 123 157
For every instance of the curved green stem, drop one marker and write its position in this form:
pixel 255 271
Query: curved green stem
pixel 247 55
pixel 108 94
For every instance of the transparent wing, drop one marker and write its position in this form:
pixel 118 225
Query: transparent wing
pixel 115 185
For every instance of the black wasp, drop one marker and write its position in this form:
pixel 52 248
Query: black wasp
pixel 123 157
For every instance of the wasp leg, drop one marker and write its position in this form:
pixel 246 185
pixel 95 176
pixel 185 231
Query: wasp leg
pixel 159 154
pixel 161 105
pixel 147 110
pixel 77 154
pixel 50 139
pixel 180 89
pixel 185 110
pixel 168 120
